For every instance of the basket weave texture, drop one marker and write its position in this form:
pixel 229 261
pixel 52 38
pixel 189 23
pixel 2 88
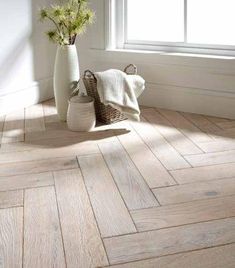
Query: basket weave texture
pixel 104 113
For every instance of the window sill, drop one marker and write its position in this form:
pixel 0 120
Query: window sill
pixel 178 54
pixel 225 64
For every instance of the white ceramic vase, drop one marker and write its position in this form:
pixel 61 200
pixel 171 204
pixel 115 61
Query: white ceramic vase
pixel 66 77
pixel 81 113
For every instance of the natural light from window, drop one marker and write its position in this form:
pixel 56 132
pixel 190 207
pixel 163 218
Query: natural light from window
pixel 208 22
pixel 155 20
pixel 211 22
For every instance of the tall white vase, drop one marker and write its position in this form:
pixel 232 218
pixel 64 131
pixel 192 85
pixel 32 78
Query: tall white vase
pixel 66 76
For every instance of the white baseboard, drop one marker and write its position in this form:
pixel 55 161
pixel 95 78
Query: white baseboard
pixel 37 92
pixel 200 101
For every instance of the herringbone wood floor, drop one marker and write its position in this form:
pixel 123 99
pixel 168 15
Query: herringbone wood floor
pixel 159 193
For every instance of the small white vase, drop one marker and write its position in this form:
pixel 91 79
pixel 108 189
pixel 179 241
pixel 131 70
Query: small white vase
pixel 66 77
pixel 81 113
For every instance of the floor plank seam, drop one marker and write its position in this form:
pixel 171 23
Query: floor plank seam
pixel 207 133
pixel 98 228
pixel 154 154
pixel 185 224
pixel 23 231
pixel 118 190
pixel 138 170
pixel 189 202
pixel 58 212
pixel 179 129
pixel 187 138
pixel 171 227
pixel 165 255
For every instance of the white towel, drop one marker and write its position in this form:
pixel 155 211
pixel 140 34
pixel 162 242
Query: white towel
pixel 121 91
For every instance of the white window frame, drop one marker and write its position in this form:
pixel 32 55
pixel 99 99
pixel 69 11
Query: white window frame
pixel 116 14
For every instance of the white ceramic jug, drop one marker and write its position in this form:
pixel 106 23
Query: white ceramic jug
pixel 81 113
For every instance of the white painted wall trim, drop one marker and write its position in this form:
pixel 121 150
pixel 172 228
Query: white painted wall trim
pixel 35 93
pixel 191 100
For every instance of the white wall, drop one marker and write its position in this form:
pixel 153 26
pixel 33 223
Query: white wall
pixel 187 83
pixel 26 56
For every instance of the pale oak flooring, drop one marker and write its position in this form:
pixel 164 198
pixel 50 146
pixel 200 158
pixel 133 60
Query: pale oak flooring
pixel 154 194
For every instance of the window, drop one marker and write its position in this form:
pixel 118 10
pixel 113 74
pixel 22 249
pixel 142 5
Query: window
pixel 204 26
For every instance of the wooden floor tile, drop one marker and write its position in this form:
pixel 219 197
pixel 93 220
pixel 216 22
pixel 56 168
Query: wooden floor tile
pixel 217 146
pixel 11 237
pixel 2 119
pixel 151 169
pixel 184 213
pixel 43 245
pixel 166 153
pixel 185 126
pixel 169 241
pixel 204 173
pixel 11 199
pixel 49 153
pixel 50 113
pixel 110 211
pixel 131 184
pixel 34 119
pixel 178 140
pixel 211 158
pixel 158 193
pixel 217 257
pixel 82 242
pixel 26 181
pixel 13 130
pixel 202 122
pixel 18 168
pixel 195 191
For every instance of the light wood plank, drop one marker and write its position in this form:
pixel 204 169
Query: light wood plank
pixel 112 216
pixel 166 153
pixel 50 112
pixel 47 153
pixel 211 158
pixel 169 241
pixel 202 122
pixel 11 228
pixel 26 181
pixel 180 142
pixel 217 257
pixel 2 119
pixel 227 135
pixel 34 119
pixel 204 173
pixel 82 242
pixel 195 191
pixel 13 130
pixel 185 126
pixel 40 166
pixel 216 120
pixel 132 186
pixel 217 146
pixel 52 133
pixel 47 144
pixel 184 213
pixel 151 169
pixel 42 236
pixel 227 125
pixel 11 199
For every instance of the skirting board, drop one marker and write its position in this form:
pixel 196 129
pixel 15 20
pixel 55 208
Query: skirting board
pixel 200 101
pixel 37 92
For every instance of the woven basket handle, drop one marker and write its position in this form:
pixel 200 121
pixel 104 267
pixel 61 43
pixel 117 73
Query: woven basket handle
pixel 131 66
pixel 89 74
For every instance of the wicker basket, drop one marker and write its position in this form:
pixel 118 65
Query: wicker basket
pixel 104 113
